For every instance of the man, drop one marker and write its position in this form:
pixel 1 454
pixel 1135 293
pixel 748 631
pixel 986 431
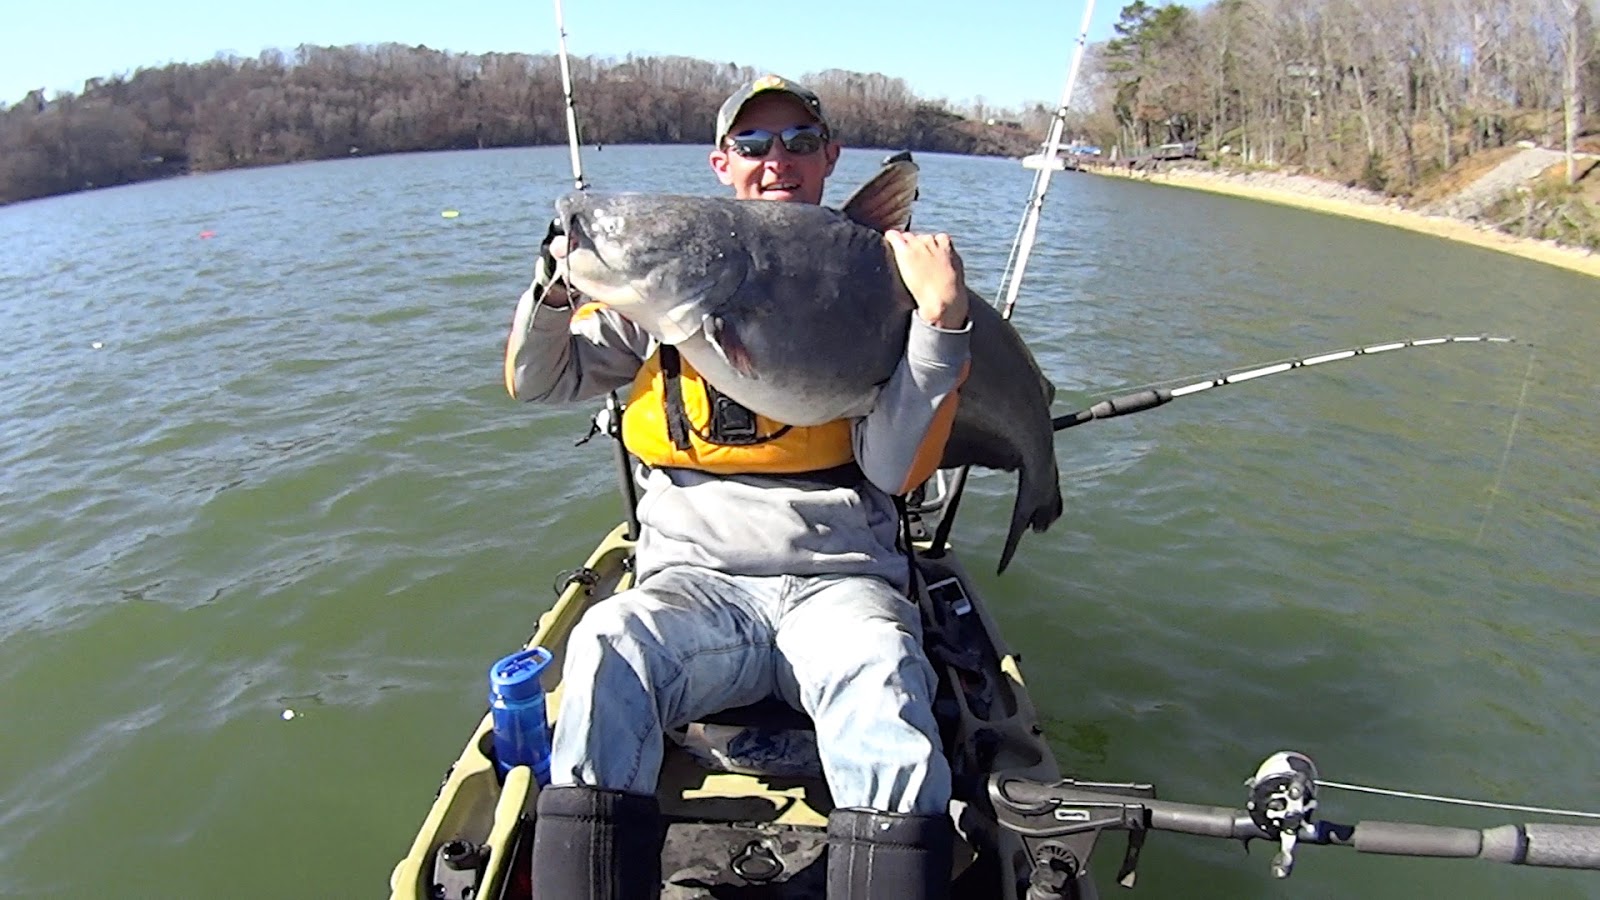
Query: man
pixel 770 580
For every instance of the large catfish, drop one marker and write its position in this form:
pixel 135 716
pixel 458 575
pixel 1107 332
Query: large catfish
pixel 798 312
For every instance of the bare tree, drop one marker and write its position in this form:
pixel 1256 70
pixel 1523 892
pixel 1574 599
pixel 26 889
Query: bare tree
pixel 1579 35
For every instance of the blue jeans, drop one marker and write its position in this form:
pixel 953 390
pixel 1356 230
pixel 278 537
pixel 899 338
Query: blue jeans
pixel 689 642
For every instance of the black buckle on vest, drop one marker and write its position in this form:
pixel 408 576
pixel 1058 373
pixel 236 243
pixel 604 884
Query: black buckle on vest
pixel 730 423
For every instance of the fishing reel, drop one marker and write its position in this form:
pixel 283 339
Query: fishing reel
pixel 1283 801
pixel 607 421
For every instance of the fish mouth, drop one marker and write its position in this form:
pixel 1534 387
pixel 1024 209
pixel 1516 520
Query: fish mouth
pixel 584 261
pixel 577 237
pixel 590 273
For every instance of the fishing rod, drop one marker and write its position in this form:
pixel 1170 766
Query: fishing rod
pixel 566 94
pixel 1059 825
pixel 1150 398
pixel 1021 250
pixel 1023 246
pixel 609 419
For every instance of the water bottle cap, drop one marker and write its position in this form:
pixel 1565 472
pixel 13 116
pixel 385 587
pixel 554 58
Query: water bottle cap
pixel 516 677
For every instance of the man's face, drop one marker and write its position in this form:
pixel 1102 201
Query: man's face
pixel 780 174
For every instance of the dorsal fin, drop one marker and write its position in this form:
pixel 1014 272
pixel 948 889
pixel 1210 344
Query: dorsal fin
pixel 884 202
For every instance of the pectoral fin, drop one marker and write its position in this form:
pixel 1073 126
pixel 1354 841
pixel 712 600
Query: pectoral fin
pixel 724 338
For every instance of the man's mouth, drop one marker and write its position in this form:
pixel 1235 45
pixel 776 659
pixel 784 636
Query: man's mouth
pixel 788 186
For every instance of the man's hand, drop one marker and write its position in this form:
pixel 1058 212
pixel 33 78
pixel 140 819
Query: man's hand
pixel 932 271
pixel 550 274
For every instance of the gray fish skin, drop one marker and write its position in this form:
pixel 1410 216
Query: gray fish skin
pixel 799 313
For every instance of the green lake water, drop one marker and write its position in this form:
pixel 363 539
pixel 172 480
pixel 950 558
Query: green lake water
pixel 288 478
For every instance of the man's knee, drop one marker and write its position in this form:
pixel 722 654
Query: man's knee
pixel 616 625
pixel 876 642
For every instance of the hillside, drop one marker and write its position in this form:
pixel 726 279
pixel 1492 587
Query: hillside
pixel 336 102
pixel 1513 200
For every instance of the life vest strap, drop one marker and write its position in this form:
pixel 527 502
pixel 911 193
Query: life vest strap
pixel 676 419
pixel 678 425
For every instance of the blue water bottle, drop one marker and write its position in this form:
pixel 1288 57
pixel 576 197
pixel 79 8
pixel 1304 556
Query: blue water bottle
pixel 516 701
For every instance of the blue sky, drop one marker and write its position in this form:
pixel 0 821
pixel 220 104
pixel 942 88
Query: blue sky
pixel 1006 51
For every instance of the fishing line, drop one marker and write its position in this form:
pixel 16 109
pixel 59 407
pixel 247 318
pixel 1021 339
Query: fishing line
pixel 1458 801
pixel 1505 455
pixel 1011 256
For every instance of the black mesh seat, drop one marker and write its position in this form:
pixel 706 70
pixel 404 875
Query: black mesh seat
pixel 772 714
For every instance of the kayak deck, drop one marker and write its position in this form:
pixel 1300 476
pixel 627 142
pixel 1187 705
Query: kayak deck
pixel 759 830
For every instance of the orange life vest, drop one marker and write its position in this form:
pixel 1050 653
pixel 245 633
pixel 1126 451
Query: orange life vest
pixel 674 418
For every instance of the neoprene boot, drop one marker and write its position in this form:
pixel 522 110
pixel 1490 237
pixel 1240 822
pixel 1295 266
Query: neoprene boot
pixel 883 856
pixel 591 844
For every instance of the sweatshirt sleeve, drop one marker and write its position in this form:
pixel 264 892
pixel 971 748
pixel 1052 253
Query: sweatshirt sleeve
pixel 563 354
pixel 899 443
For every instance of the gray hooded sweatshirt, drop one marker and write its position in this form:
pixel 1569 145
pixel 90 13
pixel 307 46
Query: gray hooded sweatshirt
pixel 748 524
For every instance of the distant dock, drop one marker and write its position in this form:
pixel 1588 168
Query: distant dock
pixel 1072 159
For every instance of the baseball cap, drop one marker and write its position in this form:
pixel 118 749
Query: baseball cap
pixel 766 83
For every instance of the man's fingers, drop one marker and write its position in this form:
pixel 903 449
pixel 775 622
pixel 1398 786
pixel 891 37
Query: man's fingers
pixel 940 240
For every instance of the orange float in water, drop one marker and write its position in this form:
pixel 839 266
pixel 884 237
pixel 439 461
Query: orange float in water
pixel 207 234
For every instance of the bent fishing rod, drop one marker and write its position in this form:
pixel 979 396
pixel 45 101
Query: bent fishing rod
pixel 1150 398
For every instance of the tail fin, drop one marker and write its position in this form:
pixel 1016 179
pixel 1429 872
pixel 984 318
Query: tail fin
pixel 1037 507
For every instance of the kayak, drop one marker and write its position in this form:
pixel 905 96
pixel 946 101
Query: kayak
pixel 742 791
pixel 746 805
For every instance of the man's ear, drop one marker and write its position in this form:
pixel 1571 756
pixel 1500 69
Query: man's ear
pixel 719 165
pixel 831 152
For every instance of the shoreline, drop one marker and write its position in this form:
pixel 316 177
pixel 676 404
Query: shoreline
pixel 1548 252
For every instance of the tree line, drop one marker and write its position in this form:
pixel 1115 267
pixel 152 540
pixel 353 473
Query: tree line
pixel 1382 92
pixel 330 102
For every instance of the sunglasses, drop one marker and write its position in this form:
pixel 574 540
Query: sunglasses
pixel 799 140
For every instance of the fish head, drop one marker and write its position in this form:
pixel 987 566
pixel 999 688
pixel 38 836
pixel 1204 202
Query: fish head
pixel 664 262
